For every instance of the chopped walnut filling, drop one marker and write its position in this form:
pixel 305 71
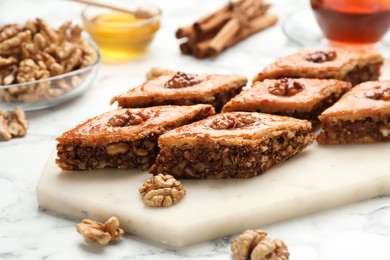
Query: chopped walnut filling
pixel 243 161
pixel 228 121
pixel 321 56
pixel 379 94
pixel 255 245
pixel 357 131
pixel 140 154
pixel 100 233
pixel 162 191
pixel 285 87
pixel 182 80
pixel 127 119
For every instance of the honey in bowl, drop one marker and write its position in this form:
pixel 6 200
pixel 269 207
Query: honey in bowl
pixel 121 36
pixel 352 22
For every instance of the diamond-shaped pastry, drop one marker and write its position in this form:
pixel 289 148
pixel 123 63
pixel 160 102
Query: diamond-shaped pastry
pixel 183 89
pixel 299 98
pixel 123 138
pixel 362 115
pixel 352 66
pixel 231 145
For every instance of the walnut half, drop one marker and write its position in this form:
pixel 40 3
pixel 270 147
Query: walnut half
pixel 321 56
pixel 100 233
pixel 255 245
pixel 13 126
pixel 182 80
pixel 379 94
pixel 162 191
pixel 285 87
pixel 232 121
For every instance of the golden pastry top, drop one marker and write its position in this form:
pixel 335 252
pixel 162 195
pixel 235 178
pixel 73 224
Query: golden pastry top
pixel 265 96
pixel 311 64
pixel 234 128
pixel 129 124
pixel 203 86
pixel 368 99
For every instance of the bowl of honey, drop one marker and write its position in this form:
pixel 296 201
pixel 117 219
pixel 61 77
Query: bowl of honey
pixel 122 36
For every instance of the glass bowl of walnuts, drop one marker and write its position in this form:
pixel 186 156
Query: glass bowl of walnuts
pixel 41 66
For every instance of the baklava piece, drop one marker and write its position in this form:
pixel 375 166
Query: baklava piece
pixel 299 98
pixel 123 138
pixel 361 116
pixel 183 89
pixel 352 66
pixel 231 145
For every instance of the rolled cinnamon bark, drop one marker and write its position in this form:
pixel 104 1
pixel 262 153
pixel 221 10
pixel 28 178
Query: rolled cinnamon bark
pixel 223 28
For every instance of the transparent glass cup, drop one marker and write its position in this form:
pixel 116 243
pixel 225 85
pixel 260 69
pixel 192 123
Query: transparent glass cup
pixel 121 36
pixel 352 22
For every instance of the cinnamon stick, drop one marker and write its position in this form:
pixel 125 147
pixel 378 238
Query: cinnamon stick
pixel 184 31
pixel 256 25
pixel 185 48
pixel 202 49
pixel 224 35
pixel 219 30
pixel 213 24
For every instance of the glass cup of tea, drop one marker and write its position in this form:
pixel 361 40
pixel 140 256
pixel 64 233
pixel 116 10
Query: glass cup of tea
pixel 352 23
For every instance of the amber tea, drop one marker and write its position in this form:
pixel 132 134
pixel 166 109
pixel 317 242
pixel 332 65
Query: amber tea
pixel 352 22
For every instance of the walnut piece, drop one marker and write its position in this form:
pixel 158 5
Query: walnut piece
pixel 127 119
pixel 14 125
pixel 7 61
pixel 162 191
pixel 379 94
pixel 255 245
pixel 100 233
pixel 285 87
pixel 321 56
pixel 182 80
pixel 229 121
pixel 36 51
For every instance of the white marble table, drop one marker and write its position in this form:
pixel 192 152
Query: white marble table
pixel 358 231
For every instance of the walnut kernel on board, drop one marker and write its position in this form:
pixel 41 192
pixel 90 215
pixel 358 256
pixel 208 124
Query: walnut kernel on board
pixel 100 233
pixel 162 191
pixel 255 245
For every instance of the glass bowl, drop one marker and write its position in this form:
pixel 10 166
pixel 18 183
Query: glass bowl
pixel 122 36
pixel 45 93
pixel 302 28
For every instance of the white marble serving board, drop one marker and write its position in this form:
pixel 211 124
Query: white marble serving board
pixel 319 178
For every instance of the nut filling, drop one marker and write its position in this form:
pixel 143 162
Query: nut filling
pixel 363 73
pixel 321 56
pixel 137 154
pixel 349 132
pixel 242 161
pixel 285 87
pixel 182 80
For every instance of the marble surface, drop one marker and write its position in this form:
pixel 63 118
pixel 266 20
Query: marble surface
pixel 357 231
